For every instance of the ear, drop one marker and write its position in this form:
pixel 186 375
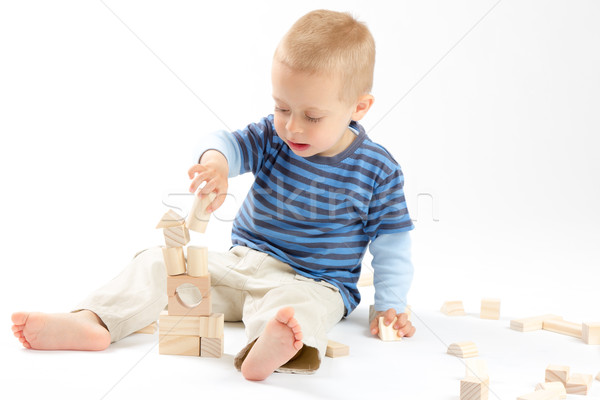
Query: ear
pixel 362 106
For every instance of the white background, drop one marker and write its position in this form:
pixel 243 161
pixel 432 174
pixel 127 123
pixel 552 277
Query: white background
pixel 495 119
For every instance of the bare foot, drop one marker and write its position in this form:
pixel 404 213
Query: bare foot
pixel 278 343
pixel 73 331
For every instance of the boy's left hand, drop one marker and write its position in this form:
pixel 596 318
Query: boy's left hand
pixel 402 324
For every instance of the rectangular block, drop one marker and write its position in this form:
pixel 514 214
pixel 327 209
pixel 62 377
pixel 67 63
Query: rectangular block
pixel 203 326
pixel 179 345
pixel 150 329
pixel 176 236
pixel 472 388
pixel 453 308
pixel 198 218
pixel 335 349
pixel 557 373
pixel 174 260
pixel 211 347
pixel 531 323
pixel 490 309
pixel 557 387
pixel 563 327
pixel 197 261
pixel 591 332
pixel 579 384
pixel 177 307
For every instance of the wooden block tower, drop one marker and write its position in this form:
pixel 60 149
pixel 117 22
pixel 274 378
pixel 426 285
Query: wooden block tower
pixel 189 329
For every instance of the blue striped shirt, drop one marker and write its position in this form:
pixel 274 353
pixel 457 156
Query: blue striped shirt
pixel 317 214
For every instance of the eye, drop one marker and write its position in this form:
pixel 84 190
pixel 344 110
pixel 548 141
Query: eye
pixel 281 110
pixel 313 120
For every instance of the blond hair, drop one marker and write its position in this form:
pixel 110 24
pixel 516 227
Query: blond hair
pixel 331 42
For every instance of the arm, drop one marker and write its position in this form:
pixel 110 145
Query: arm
pixel 393 273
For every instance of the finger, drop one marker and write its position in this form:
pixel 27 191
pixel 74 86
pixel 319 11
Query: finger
pixel 411 332
pixel 401 321
pixel 198 179
pixel 389 316
pixel 195 169
pixel 405 330
pixel 217 202
pixel 210 187
pixel 374 327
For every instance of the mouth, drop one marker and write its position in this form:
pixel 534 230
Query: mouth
pixel 298 146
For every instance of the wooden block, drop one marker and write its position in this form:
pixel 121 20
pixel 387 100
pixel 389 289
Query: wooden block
pixel 463 349
pixel 591 332
pixel 476 367
pixel 453 308
pixel 366 277
pixel 198 218
pixel 472 388
pixel 176 236
pixel 557 373
pixel 211 327
pixel 557 387
pixel 211 347
pixel 388 333
pixel 170 219
pixel 201 282
pixel 177 307
pixel 563 327
pixel 335 349
pixel 179 345
pixel 490 309
pixel 174 260
pixel 203 326
pixel 579 384
pixel 598 376
pixel 531 323
pixel 150 329
pixel 197 261
pixel 540 395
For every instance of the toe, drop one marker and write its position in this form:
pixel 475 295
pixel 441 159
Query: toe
pixel 19 318
pixel 284 315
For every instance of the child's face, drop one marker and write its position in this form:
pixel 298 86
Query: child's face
pixel 309 116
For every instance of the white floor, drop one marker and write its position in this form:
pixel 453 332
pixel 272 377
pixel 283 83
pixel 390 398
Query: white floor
pixel 417 368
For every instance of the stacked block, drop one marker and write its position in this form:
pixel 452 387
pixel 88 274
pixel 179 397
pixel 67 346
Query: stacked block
pixel 188 329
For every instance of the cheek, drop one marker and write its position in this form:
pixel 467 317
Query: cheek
pixel 279 123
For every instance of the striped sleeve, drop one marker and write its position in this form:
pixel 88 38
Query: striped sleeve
pixel 254 142
pixel 387 210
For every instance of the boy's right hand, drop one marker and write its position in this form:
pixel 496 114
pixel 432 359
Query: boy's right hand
pixel 214 170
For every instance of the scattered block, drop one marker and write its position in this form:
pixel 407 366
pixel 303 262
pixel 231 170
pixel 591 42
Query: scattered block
pixel 174 260
pixel 463 349
pixel 150 329
pixel 472 388
pixel 476 367
pixel 453 308
pixel 366 278
pixel 591 332
pixel 557 373
pixel 198 218
pixel 211 347
pixel 556 387
pixel 532 323
pixel 388 333
pixel 170 219
pixel 176 236
pixel 540 395
pixel 335 349
pixel 563 327
pixel 197 261
pixel 179 345
pixel 490 309
pixel 579 384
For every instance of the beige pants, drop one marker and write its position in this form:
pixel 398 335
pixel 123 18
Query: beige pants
pixel 247 285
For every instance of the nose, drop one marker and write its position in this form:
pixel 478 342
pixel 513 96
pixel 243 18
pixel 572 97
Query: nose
pixel 292 125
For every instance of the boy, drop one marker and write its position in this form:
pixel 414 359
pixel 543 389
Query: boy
pixel 323 192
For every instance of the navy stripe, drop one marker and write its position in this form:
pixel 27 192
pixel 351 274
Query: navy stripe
pixel 318 218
